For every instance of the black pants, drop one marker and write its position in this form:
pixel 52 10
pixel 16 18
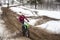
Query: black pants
pixel 23 30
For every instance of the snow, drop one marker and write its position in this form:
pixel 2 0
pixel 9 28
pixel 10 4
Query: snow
pixel 0 11
pixel 51 26
pixel 52 14
pixel 25 12
pixel 4 4
pixel 2 29
pixel 10 1
pixel 2 26
pixel 9 5
pixel 28 11
pixel 32 21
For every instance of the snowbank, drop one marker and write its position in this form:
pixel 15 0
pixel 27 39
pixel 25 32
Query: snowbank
pixel 53 26
pixel 52 14
pixel 28 11
pixel 25 12
pixel 2 29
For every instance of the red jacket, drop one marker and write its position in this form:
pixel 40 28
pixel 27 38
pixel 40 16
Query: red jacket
pixel 22 17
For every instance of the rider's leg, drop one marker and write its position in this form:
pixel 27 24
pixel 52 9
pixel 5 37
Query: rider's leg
pixel 27 31
pixel 23 30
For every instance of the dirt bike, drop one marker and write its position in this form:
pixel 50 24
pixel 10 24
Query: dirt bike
pixel 26 31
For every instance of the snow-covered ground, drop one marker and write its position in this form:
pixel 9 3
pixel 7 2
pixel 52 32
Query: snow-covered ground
pixel 3 30
pixel 2 26
pixel 28 11
pixel 5 2
pixel 53 26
